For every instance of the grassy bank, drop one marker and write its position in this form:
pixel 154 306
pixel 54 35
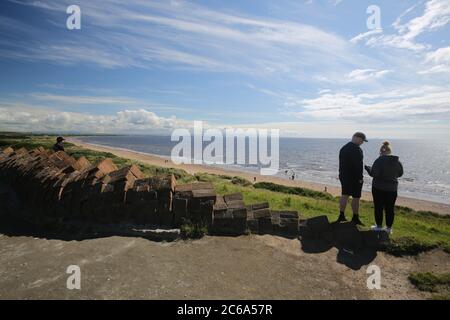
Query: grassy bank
pixel 414 231
pixel 438 284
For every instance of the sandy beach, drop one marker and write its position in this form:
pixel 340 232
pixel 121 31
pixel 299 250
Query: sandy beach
pixel 415 204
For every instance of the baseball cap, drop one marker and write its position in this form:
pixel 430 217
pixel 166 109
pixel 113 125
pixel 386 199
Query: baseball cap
pixel 361 135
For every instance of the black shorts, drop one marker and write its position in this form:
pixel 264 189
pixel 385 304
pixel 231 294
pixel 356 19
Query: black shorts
pixel 351 188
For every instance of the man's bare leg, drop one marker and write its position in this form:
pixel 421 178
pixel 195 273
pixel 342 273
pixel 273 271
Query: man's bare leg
pixel 355 206
pixel 342 205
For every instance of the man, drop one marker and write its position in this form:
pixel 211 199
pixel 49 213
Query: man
pixel 58 146
pixel 351 175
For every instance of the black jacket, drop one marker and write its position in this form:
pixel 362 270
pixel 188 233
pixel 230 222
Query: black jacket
pixel 385 172
pixel 58 147
pixel 351 163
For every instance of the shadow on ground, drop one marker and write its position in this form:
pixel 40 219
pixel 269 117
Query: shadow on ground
pixel 351 255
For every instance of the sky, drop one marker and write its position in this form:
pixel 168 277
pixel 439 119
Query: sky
pixel 310 68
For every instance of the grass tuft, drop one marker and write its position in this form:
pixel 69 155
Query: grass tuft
pixel 293 190
pixel 430 282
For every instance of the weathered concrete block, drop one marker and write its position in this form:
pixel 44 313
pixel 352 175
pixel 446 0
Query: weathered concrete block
pixel 229 226
pixel 236 204
pixel 240 213
pixel 259 206
pixel 261 213
pixel 185 190
pixel 265 225
pixel 165 218
pixel 101 170
pixel 206 210
pixel 8 150
pixel 180 210
pixel 82 163
pixel 285 223
pixel 233 197
pixel 253 226
pixel 167 182
pixel 106 166
pixel 144 212
pixel 139 194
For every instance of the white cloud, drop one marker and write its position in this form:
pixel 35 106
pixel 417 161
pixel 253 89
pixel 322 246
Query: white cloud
pixel 435 16
pixel 441 55
pixel 365 35
pixel 83 100
pixel 423 104
pixel 22 117
pixel 366 74
pixel 438 61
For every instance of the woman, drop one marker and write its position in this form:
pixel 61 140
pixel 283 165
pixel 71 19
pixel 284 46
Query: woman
pixel 385 172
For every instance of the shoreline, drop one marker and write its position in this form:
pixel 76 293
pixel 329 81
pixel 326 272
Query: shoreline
pixel 416 204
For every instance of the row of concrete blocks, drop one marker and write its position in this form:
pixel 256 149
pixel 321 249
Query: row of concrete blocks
pixel 57 186
pixel 228 214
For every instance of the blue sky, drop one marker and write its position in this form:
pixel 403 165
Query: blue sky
pixel 311 68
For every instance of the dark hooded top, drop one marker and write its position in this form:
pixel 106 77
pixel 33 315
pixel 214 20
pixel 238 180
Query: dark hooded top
pixel 351 163
pixel 58 147
pixel 385 172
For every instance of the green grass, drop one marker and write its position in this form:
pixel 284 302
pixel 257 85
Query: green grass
pixel 193 231
pixel 414 231
pixel 429 281
pixel 293 190
pixel 439 284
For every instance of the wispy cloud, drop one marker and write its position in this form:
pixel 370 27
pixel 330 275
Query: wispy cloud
pixel 82 100
pixel 186 35
pixel 366 74
pixel 435 16
pixel 419 105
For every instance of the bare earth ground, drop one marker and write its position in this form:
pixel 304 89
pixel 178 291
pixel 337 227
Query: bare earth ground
pixel 246 267
pixel 415 204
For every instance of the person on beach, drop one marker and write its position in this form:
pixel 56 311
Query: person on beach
pixel 351 176
pixel 385 172
pixel 58 146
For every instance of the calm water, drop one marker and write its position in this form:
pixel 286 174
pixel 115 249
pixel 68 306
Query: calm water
pixel 426 164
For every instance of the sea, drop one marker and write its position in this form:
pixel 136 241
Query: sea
pixel 426 162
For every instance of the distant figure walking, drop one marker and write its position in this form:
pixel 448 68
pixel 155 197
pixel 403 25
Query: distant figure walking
pixel 59 146
pixel 351 176
pixel 385 172
pixel 254 179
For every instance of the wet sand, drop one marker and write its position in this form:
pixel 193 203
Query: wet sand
pixel 415 204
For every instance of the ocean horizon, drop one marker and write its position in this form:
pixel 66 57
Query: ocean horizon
pixel 426 165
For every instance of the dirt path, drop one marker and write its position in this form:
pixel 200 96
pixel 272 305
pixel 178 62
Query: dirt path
pixel 246 267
